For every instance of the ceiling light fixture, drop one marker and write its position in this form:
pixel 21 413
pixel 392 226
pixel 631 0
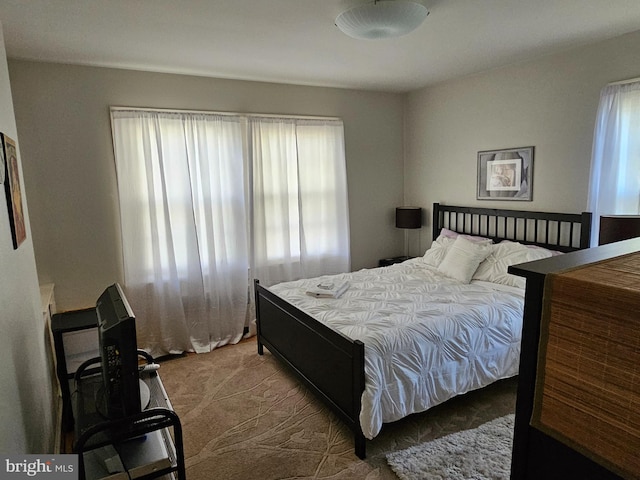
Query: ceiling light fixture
pixel 382 19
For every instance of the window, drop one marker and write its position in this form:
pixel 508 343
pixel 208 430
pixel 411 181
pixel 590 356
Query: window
pixel 615 166
pixel 205 198
pixel 299 198
pixel 176 188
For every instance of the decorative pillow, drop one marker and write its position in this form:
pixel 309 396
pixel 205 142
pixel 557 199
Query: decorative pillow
pixel 463 258
pixel 504 254
pixel 436 253
pixel 439 248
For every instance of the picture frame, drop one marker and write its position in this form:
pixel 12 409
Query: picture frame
pixel 13 191
pixel 505 174
pixel 3 166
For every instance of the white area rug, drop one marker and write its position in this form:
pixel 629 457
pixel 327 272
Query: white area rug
pixel 483 453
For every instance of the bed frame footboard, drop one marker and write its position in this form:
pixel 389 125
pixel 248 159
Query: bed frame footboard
pixel 327 362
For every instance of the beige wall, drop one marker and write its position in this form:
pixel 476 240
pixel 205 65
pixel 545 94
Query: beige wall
pixel 549 103
pixel 26 402
pixel 62 113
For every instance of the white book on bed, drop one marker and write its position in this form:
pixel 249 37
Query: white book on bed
pixel 328 290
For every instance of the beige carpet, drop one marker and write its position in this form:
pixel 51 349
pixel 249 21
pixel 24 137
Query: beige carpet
pixel 245 416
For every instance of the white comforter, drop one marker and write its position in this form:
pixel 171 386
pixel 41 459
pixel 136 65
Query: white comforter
pixel 427 337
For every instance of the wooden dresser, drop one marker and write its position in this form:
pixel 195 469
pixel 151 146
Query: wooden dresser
pixel 559 432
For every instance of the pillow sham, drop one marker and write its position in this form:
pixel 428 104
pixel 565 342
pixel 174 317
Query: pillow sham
pixel 494 267
pixel 463 259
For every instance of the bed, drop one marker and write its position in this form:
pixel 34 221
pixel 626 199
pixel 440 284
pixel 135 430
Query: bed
pixel 406 337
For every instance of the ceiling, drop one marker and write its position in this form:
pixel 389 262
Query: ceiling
pixel 296 41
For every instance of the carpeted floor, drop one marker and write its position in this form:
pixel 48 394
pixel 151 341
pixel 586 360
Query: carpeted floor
pixel 244 416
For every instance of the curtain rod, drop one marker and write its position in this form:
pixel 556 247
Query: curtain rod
pixel 622 82
pixel 208 112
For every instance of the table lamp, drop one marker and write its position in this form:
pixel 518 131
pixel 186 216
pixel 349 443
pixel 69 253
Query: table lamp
pixel 408 218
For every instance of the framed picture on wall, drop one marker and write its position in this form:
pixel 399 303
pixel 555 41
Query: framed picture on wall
pixel 505 174
pixel 13 191
pixel 3 165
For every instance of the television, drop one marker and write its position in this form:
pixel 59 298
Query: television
pixel 120 393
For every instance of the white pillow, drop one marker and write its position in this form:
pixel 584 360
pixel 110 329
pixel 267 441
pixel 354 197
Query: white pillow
pixel 504 254
pixel 436 253
pixel 536 247
pixel 439 248
pixel 463 258
pixel 445 232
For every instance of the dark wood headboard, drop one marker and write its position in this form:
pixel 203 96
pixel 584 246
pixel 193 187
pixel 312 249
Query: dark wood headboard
pixel 564 232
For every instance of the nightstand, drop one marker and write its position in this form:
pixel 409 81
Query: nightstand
pixel 385 262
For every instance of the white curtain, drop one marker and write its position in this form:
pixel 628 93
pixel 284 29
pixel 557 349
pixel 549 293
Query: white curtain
pixel 204 198
pixel 300 216
pixel 182 206
pixel 614 188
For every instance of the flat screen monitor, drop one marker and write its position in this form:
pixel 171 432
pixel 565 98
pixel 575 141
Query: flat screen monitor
pixel 119 355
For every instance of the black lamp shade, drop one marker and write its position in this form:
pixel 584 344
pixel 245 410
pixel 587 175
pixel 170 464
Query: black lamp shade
pixel 408 217
pixel 615 228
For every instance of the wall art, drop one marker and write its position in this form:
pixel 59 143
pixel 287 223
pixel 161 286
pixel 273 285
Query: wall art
pixel 13 191
pixel 505 174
